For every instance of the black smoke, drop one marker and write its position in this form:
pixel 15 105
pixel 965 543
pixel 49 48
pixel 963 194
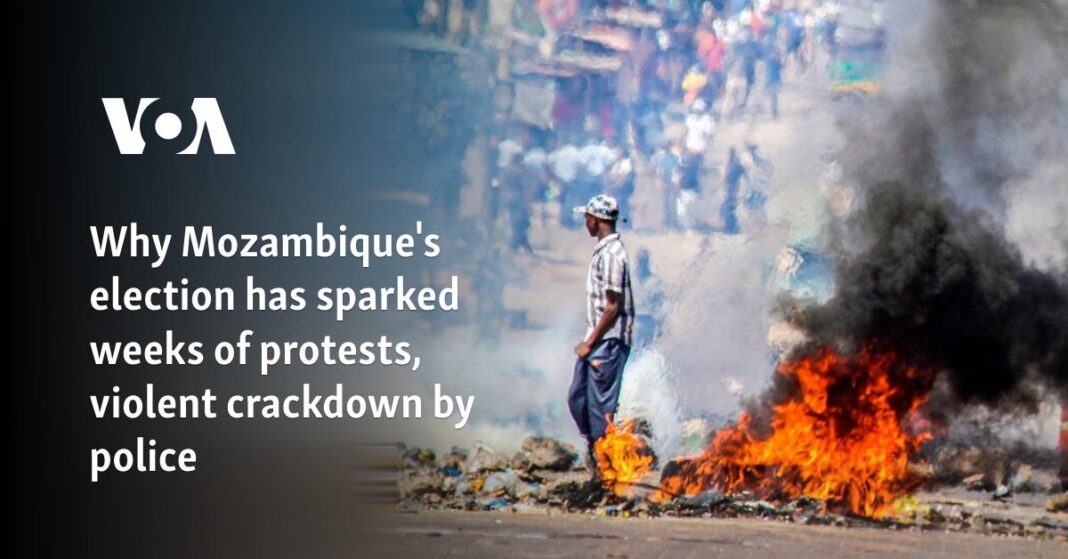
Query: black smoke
pixel 976 109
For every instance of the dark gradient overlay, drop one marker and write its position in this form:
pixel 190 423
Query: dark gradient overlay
pixel 316 114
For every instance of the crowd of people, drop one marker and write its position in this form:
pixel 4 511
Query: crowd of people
pixel 634 89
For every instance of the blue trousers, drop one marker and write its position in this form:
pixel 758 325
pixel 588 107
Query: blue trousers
pixel 595 389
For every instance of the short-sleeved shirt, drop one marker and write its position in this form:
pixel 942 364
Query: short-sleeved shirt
pixel 610 271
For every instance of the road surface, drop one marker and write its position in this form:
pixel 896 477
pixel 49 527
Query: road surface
pixel 490 534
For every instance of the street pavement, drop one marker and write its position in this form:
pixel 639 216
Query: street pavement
pixel 489 534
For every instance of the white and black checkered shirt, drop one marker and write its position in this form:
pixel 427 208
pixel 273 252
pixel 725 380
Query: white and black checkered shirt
pixel 610 271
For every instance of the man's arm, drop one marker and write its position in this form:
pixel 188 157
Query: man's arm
pixel 612 308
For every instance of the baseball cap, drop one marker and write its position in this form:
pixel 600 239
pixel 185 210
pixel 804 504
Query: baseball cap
pixel 601 206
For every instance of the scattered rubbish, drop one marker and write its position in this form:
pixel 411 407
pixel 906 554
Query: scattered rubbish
pixel 500 483
pixel 485 458
pixel 544 453
pixel 545 477
pixel 494 504
pixel 1058 503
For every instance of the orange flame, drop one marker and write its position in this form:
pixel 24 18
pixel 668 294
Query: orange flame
pixel 623 458
pixel 839 438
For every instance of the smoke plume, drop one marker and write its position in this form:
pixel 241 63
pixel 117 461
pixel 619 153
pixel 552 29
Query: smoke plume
pixel 973 128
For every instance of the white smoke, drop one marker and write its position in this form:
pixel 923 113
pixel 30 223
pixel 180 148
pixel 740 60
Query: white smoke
pixel 649 384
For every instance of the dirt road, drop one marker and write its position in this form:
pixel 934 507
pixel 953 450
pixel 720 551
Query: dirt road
pixel 478 534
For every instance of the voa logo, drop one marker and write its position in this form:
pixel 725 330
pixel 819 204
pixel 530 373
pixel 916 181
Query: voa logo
pixel 167 125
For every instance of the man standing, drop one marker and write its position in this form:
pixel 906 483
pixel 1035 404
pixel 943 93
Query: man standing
pixel 604 349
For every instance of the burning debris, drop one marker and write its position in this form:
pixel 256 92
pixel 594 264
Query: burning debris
pixel 484 479
pixel 840 438
pixel 623 457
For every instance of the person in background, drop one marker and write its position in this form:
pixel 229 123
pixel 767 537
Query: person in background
pixel 601 355
pixel 693 84
pixel 564 164
pixel 773 77
pixel 668 179
pixel 732 182
pixel 699 129
pixel 748 53
pixel 795 37
pixel 520 196
pixel 710 49
pixel 596 160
